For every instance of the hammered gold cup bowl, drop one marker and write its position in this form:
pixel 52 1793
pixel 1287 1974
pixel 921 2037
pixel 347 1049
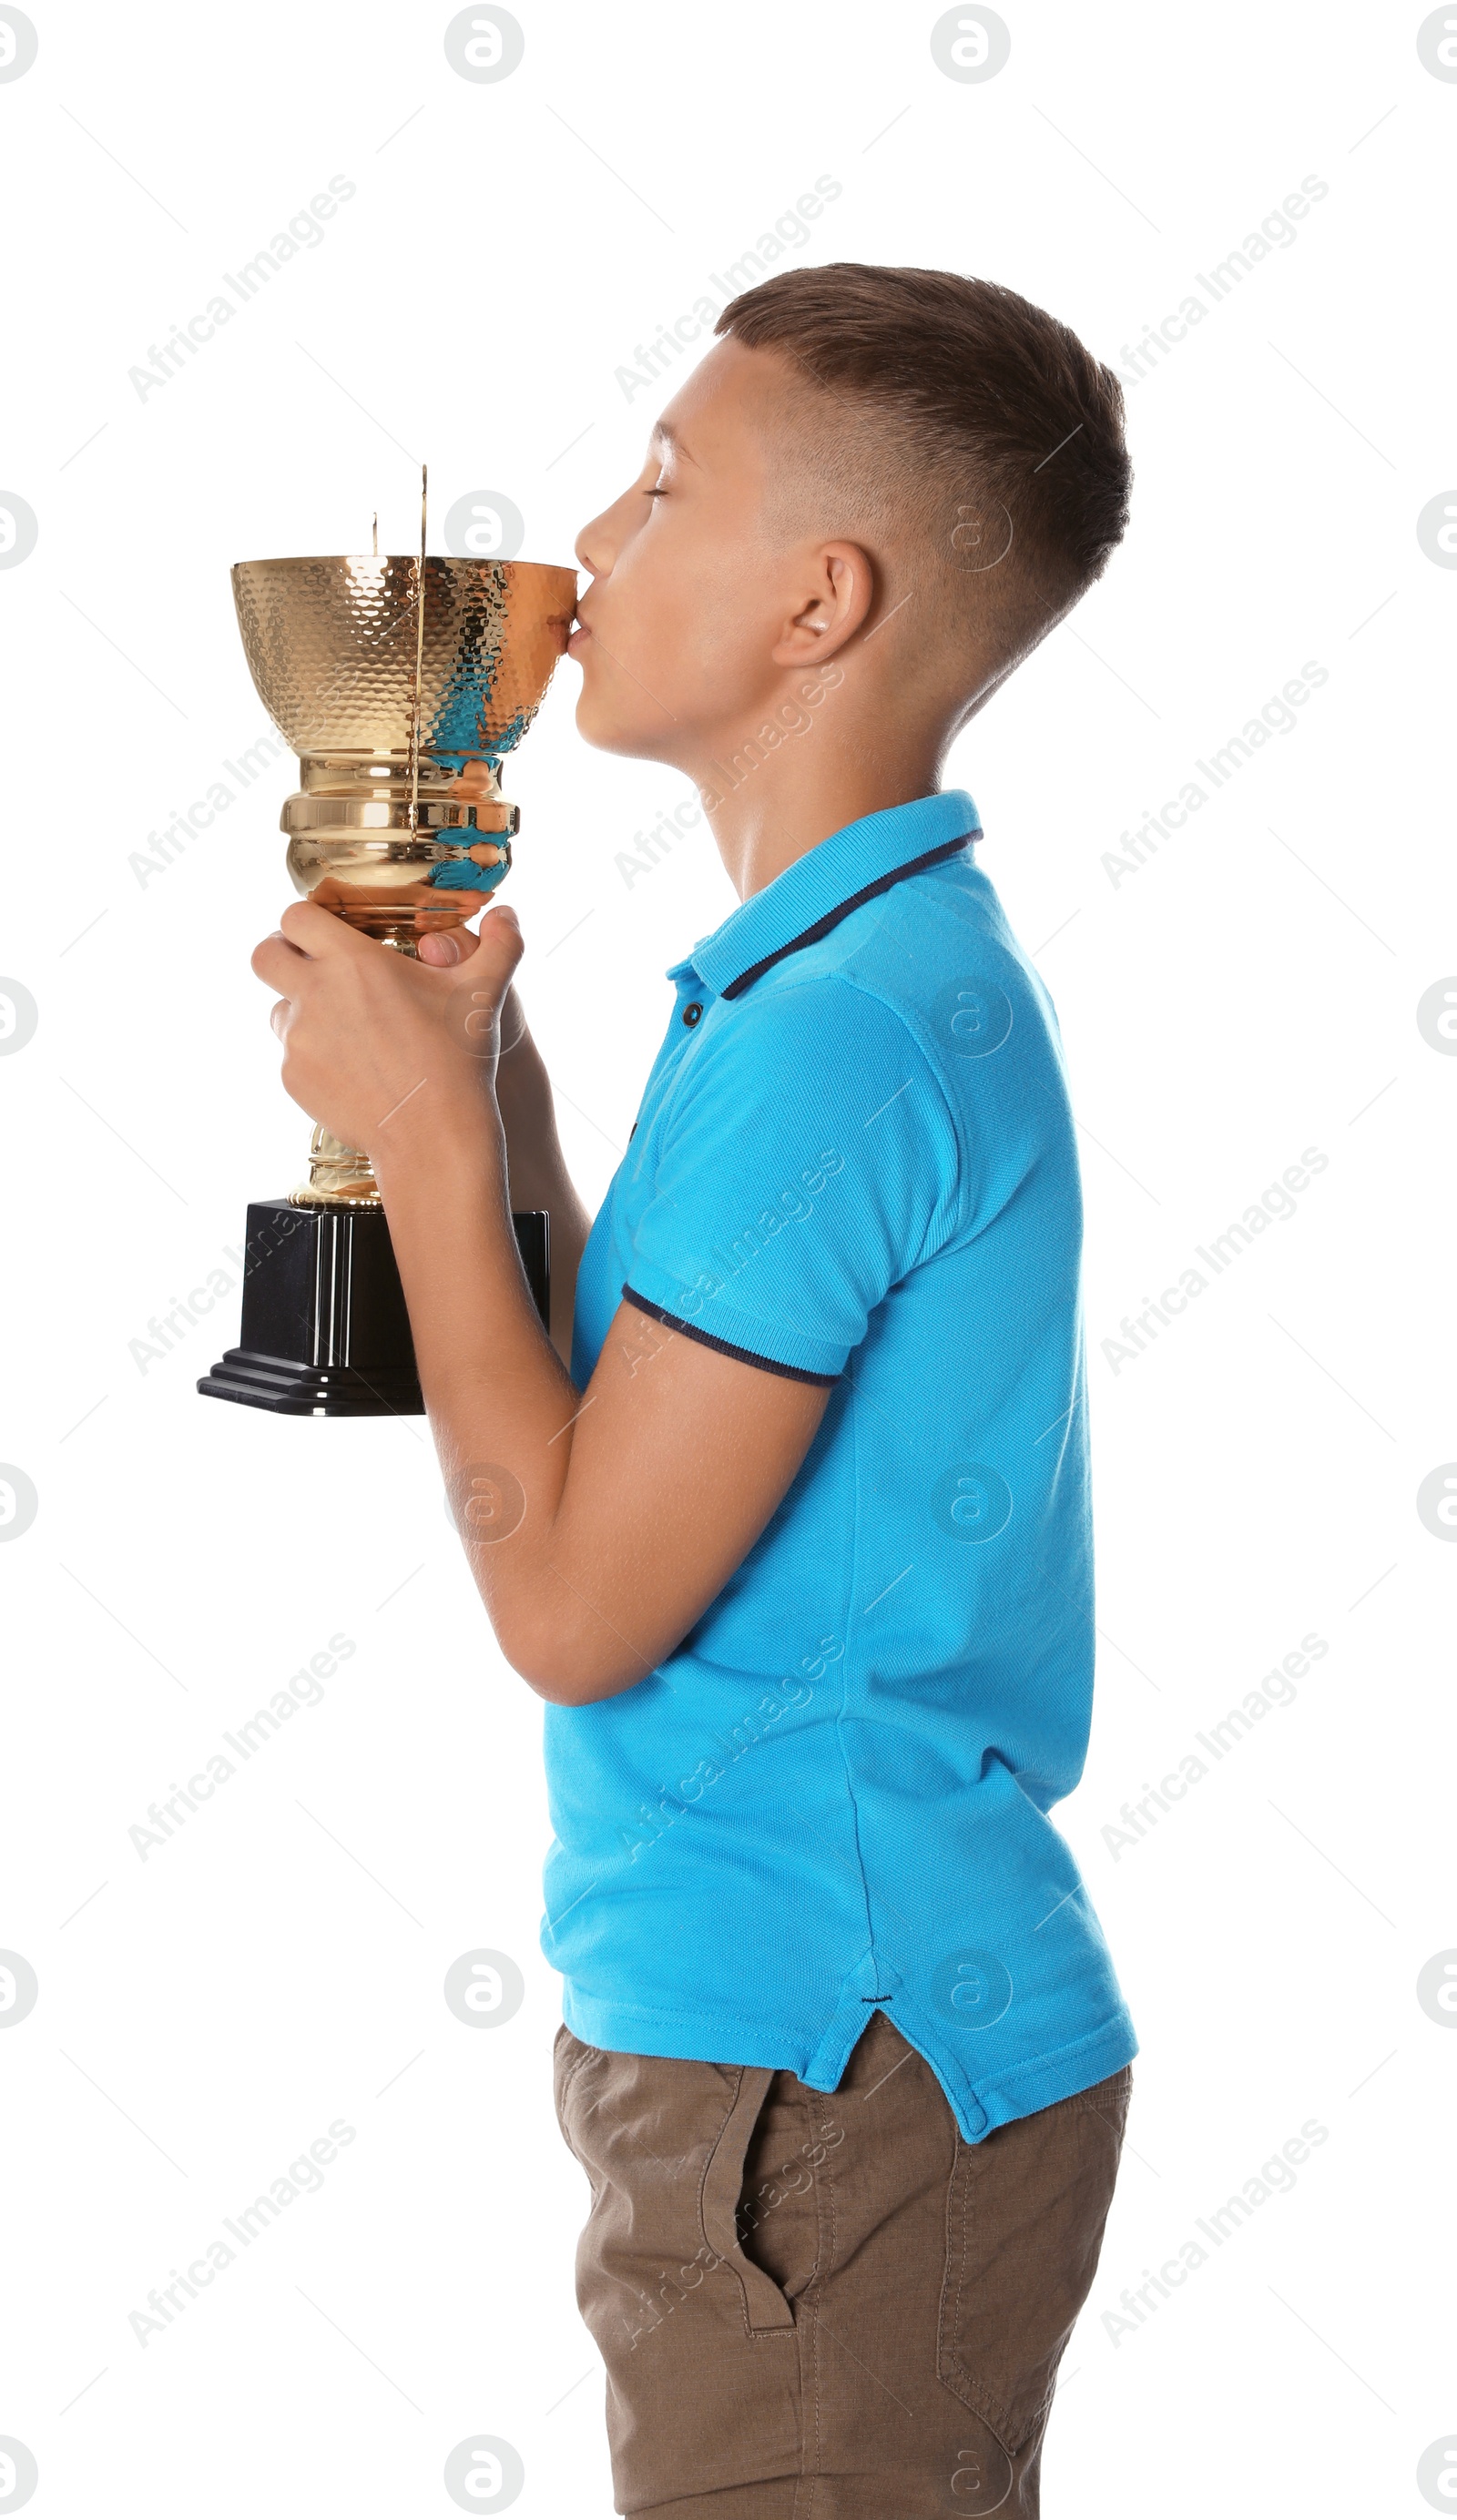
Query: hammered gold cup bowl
pixel 401 684
pixel 400 721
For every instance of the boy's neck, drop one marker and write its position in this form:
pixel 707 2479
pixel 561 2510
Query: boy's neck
pixel 798 795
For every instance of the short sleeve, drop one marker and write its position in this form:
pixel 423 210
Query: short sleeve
pixel 806 1162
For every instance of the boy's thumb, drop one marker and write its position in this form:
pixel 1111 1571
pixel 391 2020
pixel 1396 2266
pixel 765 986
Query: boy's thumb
pixel 443 947
pixel 460 949
pixel 488 959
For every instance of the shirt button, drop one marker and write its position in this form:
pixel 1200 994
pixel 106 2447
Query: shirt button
pixel 692 1012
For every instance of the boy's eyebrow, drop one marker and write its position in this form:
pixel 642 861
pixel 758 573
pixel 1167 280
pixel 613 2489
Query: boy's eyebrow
pixel 665 431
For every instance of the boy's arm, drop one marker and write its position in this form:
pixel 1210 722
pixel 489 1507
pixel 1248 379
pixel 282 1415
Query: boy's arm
pixel 599 1525
pixel 536 1168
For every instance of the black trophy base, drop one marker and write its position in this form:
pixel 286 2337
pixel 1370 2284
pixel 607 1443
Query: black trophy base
pixel 326 1332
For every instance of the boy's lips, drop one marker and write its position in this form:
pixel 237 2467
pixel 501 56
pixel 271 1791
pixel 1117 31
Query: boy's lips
pixel 580 635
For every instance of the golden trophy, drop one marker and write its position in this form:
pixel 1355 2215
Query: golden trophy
pixel 400 684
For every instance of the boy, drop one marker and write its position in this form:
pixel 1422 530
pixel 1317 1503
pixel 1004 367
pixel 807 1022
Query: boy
pixel 799 1549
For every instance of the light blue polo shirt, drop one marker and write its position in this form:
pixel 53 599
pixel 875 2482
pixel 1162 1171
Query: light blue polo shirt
pixel 855 1161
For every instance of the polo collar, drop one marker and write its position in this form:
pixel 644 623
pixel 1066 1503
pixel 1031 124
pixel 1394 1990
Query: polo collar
pixel 829 881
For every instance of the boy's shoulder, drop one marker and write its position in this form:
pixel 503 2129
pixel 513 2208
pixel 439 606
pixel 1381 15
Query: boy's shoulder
pixel 937 955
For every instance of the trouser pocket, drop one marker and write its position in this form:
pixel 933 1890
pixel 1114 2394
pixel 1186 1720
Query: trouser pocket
pixel 764 2304
pixel 663 2140
pixel 699 2343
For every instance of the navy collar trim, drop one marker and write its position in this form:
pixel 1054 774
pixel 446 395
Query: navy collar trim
pixel 821 926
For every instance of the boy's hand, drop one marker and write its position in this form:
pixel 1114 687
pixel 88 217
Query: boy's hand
pixel 375 1040
pixel 444 947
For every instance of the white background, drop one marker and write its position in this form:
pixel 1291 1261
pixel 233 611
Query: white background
pixel 1250 992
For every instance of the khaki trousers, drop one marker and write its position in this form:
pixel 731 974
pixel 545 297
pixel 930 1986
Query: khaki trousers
pixel 827 2306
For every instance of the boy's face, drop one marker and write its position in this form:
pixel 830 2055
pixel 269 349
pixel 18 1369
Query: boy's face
pixel 695 596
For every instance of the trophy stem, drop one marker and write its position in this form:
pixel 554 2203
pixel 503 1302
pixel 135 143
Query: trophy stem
pixel 340 1176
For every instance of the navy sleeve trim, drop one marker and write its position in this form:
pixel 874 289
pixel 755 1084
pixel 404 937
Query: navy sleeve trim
pixel 821 928
pixel 726 1347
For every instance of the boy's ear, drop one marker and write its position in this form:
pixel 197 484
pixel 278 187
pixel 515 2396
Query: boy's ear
pixel 843 584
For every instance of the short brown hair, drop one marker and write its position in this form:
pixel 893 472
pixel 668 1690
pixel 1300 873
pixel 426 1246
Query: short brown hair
pixel 983 402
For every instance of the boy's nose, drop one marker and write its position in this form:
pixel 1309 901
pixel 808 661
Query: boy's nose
pixel 591 547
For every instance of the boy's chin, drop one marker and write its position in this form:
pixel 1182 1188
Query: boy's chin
pixel 608 732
